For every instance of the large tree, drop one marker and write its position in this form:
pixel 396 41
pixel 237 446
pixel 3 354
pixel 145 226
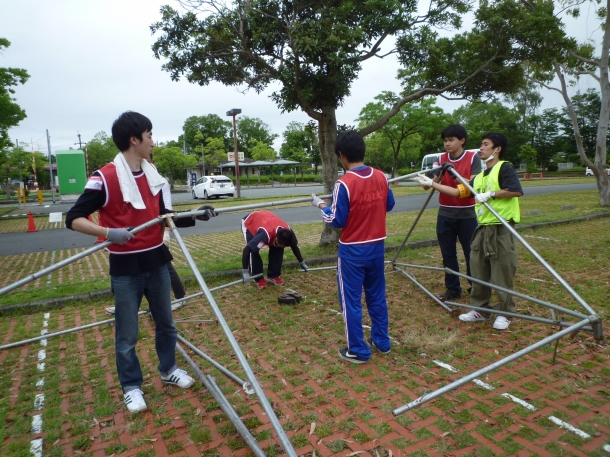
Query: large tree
pixel 252 128
pixel 567 65
pixel 479 118
pixel 210 126
pixel 10 112
pixel 172 161
pixel 421 119
pixel 312 51
pixel 299 144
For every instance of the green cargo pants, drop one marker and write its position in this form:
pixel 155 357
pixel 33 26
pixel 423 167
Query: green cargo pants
pixel 493 259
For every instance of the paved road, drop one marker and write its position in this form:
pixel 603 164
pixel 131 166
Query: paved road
pixel 50 240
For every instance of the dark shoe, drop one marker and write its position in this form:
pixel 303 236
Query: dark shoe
pixel 346 355
pixel 450 295
pixel 372 344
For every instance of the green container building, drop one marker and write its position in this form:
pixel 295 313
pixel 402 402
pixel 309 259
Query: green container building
pixel 71 173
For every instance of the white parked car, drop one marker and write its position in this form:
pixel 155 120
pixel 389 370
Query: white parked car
pixel 213 186
pixel 589 172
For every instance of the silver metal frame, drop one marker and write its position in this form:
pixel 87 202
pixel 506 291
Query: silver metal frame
pixel 590 322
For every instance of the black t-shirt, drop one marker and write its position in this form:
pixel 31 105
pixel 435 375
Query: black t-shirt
pixel 124 264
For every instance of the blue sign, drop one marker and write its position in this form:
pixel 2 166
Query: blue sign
pixel 193 179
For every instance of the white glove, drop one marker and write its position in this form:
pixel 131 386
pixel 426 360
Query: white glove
pixel 316 201
pixel 166 238
pixel 245 275
pixel 482 197
pixel 304 265
pixel 423 180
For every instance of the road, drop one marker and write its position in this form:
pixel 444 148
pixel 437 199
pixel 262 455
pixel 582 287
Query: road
pixel 51 240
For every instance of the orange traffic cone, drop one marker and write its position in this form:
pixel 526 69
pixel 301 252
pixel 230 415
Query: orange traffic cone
pixel 100 239
pixel 31 225
pixel 524 175
pixel 531 175
pixel 541 175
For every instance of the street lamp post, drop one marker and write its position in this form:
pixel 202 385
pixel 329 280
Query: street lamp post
pixel 234 112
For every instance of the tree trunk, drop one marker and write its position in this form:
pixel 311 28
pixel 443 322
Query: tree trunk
pixel 327 133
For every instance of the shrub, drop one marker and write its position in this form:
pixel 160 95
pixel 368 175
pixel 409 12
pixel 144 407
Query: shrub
pixel 552 167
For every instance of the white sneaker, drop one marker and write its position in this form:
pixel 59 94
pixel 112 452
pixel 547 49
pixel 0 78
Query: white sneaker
pixel 134 401
pixel 110 310
pixel 501 323
pixel 178 378
pixel 472 316
pixel 179 304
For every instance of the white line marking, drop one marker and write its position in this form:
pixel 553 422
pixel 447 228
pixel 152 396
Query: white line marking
pixel 40 366
pixel 42 354
pixel 607 447
pixel 519 401
pixel 43 342
pixel 569 427
pixel 36 447
pixel 40 383
pixel 52 263
pixel 37 423
pixel 482 384
pixel 39 401
pixel 445 366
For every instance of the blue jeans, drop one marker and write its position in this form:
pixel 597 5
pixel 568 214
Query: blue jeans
pixel 448 232
pixel 128 292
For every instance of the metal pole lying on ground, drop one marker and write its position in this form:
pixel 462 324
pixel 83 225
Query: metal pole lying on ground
pixel 233 342
pixel 63 332
pixel 487 369
pixel 224 404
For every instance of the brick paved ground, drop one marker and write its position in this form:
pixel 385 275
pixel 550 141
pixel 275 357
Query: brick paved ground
pixel 327 407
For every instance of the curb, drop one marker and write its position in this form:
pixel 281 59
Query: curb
pixel 59 302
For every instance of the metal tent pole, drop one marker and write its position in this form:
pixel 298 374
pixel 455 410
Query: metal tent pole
pixel 460 382
pixel 233 342
pixel 224 404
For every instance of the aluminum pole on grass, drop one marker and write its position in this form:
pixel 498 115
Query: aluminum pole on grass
pixel 63 332
pixel 233 342
pixel 596 322
pixel 224 404
pixel 460 382
pixel 501 289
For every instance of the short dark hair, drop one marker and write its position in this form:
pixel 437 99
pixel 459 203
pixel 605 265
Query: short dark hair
pixel 286 237
pixel 498 140
pixel 351 144
pixel 127 125
pixel 455 130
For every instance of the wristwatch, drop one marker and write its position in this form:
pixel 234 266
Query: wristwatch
pixel 493 194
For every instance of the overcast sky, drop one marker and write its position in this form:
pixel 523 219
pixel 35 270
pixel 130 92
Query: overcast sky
pixel 90 60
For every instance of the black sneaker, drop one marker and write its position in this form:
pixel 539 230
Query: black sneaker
pixel 372 344
pixel 346 355
pixel 450 294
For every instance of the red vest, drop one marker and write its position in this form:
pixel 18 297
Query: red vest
pixel 464 168
pixel 265 220
pixel 368 197
pixel 117 214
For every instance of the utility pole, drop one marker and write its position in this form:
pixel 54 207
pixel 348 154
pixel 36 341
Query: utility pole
pixel 51 167
pixel 80 143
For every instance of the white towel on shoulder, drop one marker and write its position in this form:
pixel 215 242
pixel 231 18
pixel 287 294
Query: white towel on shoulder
pixel 129 188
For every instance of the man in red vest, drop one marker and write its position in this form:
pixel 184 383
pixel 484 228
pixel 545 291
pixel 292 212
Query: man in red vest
pixel 456 218
pixel 128 192
pixel 264 228
pixel 361 198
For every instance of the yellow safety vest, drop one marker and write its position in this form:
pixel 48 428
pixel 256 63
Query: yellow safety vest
pixel 508 208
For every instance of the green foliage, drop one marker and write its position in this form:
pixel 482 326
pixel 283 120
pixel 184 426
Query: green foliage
pixel 480 117
pixel 172 161
pixel 301 144
pixel 528 154
pixel 101 150
pixel 587 109
pixel 402 139
pixel 552 167
pixel 251 129
pixel 260 150
pixel 10 112
pixel 213 152
pixel 209 126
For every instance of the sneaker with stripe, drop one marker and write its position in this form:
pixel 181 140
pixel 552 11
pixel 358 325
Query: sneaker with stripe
pixel 346 355
pixel 134 400
pixel 178 378
pixel 372 344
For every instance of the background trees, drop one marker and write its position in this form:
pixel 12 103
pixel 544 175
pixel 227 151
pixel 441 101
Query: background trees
pixel 10 112
pixel 101 150
pixel 170 160
pixel 252 128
